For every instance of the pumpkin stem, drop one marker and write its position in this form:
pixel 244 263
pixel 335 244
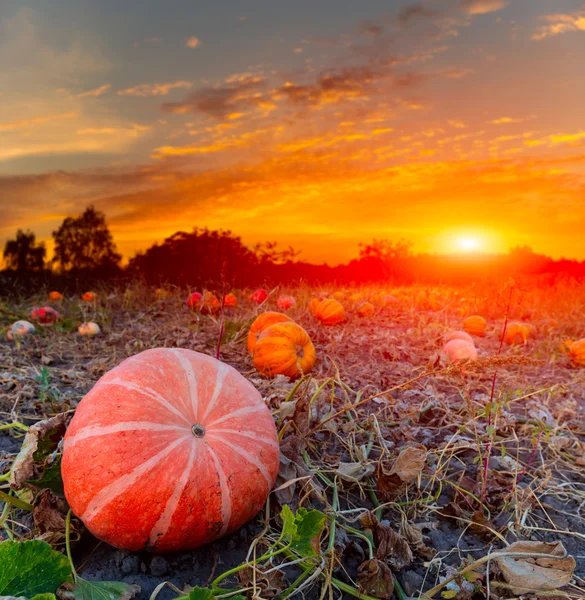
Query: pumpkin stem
pixel 198 430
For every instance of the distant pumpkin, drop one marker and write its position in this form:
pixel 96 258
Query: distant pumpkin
pixel 259 296
pixel 90 328
pixel 20 329
pixel 459 335
pixel 161 293
pixel 210 305
pixel 577 352
pixel 194 300
pixel 366 310
pixel 262 322
pixel 285 302
pixel 313 305
pixel 356 297
pixel 284 349
pixel 55 296
pixel 338 296
pixel 475 325
pixel 330 312
pixel 458 350
pixel 230 301
pixel 89 297
pixel 517 333
pixel 45 315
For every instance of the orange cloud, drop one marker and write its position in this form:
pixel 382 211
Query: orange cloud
pixel 507 120
pixel 35 121
pixel 560 23
pixel 154 89
pixel 99 91
pixel 192 42
pixel 482 7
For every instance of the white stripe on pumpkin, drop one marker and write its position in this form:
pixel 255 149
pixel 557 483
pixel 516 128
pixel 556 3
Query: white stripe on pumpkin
pixel 187 366
pixel 226 498
pixel 222 373
pixel 247 434
pixel 99 430
pixel 240 412
pixel 118 487
pixel 162 525
pixel 149 393
pixel 248 457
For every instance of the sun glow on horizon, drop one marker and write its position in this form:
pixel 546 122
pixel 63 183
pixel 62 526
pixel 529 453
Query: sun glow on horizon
pixel 469 244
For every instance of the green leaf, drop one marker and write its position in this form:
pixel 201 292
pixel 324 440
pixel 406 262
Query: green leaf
pixel 100 590
pixel 288 522
pixel 31 568
pixel 198 593
pixel 44 597
pixel 51 478
pixel 302 529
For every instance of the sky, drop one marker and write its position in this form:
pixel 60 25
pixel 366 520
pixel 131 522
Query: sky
pixel 455 124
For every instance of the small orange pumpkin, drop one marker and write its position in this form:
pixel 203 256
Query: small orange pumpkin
pixel 259 296
pixel 330 312
pixel 262 322
pixel 285 302
pixel 313 305
pixel 366 310
pixel 517 333
pixel 90 328
pixel 458 350
pixel 55 296
pixel 284 349
pixel 89 297
pixel 230 300
pixel 339 296
pixel 577 352
pixel 475 325
pixel 356 297
pixel 210 304
pixel 459 335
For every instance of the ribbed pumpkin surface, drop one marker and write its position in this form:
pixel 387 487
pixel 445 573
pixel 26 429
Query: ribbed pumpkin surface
pixel 284 349
pixel 330 312
pixel 170 450
pixel 261 323
pixel 475 325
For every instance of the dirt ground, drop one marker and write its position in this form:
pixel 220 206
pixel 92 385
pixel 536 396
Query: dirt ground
pixel 406 396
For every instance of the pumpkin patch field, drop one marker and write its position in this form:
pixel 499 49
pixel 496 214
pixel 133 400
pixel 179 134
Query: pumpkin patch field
pixel 373 442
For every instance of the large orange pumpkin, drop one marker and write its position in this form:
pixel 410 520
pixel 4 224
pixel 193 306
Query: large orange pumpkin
pixel 262 322
pixel 517 333
pixel 330 312
pixel 284 349
pixel 458 350
pixel 475 325
pixel 170 450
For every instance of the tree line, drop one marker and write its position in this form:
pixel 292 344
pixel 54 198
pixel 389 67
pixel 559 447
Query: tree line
pixel 85 252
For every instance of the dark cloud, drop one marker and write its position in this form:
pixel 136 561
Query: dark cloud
pixel 219 101
pixel 413 12
pixel 370 29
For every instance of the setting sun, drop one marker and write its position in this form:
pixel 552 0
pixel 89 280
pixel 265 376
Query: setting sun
pixel 468 244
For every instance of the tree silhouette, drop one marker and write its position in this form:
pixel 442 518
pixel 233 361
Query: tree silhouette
pixel 85 243
pixel 23 253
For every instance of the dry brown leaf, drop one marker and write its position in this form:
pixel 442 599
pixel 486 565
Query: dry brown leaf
pixel 392 482
pixel 375 579
pixel 41 439
pixel 355 471
pixel 268 585
pixel 48 513
pixel 390 547
pixel 534 574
